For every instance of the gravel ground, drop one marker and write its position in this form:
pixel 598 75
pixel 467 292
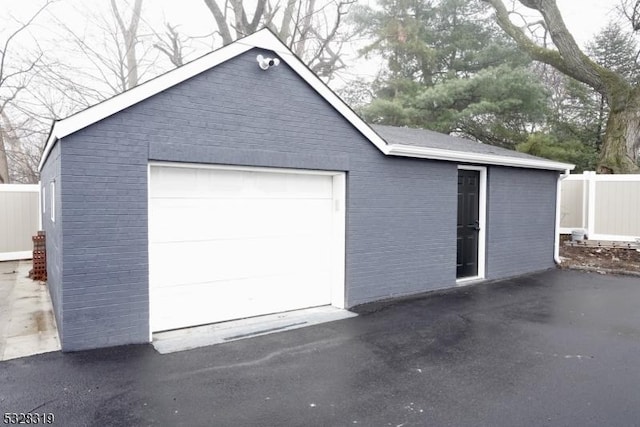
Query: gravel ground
pixel 615 260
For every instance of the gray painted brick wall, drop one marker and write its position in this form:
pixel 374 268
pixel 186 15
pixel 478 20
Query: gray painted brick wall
pixel 51 172
pixel 521 217
pixel 105 275
pixel 400 211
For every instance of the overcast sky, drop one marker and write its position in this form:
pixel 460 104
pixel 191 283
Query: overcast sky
pixel 586 17
pixel 583 17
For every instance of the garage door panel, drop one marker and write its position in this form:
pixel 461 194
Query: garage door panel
pixel 263 290
pixel 216 183
pixel 209 302
pixel 189 219
pixel 228 244
pixel 188 262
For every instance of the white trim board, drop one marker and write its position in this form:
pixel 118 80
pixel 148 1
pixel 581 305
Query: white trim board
pixel 265 39
pixel 613 237
pixel 482 223
pixel 242 168
pixel 586 175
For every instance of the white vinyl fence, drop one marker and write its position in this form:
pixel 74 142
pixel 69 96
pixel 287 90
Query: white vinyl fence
pixel 607 207
pixel 19 220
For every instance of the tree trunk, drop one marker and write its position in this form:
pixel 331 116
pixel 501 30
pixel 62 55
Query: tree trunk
pixel 619 151
pixel 130 36
pixel 221 21
pixel 600 128
pixel 287 17
pixel 305 28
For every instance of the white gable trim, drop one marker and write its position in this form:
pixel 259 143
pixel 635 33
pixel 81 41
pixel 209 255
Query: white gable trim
pixel 265 39
pixel 139 93
pixel 479 158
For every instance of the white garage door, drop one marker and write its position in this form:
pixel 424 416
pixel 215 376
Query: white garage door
pixel 232 243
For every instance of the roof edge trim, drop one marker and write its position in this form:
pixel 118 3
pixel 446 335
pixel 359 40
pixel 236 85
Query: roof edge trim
pixel 466 157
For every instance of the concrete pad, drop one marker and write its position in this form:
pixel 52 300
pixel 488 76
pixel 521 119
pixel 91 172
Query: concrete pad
pixel 27 324
pixel 28 345
pixel 218 333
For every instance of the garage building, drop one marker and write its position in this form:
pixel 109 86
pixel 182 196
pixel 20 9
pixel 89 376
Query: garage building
pixel 222 190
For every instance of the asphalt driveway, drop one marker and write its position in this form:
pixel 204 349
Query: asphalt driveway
pixel 556 348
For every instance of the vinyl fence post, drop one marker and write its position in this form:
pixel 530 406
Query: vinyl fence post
pixel 591 202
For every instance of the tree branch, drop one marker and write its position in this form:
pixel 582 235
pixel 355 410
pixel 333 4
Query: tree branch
pixel 172 47
pixel 569 59
pixel 22 27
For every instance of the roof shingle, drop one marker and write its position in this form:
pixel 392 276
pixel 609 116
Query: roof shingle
pixel 431 139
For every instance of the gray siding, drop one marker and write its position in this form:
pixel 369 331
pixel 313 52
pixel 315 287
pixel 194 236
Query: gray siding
pixel 521 221
pixel 51 172
pixel 401 220
pixel 105 276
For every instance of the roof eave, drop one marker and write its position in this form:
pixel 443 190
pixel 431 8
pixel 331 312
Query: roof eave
pixel 265 39
pixel 479 158
pixel 51 142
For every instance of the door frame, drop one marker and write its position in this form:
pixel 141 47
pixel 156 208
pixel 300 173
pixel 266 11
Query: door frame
pixel 339 195
pixel 482 222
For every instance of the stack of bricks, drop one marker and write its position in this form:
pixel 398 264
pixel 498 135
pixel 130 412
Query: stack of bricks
pixel 39 271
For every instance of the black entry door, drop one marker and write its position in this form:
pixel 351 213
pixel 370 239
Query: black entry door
pixel 468 223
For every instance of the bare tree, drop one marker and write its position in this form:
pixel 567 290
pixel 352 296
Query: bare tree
pixel 238 23
pixel 171 44
pixel 116 55
pixel 129 34
pixel 22 154
pixel 113 48
pixel 16 71
pixel 619 152
pixel 630 9
pixel 313 29
pixel 108 53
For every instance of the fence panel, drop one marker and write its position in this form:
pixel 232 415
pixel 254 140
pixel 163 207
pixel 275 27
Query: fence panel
pixel 572 201
pixel 607 207
pixel 617 208
pixel 19 220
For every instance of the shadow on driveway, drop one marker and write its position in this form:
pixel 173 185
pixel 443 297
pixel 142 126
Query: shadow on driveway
pixel 555 348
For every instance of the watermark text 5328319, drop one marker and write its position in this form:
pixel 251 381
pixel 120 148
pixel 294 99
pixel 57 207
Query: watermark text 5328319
pixel 33 418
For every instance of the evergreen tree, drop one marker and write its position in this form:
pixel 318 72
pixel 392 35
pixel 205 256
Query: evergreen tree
pixel 449 69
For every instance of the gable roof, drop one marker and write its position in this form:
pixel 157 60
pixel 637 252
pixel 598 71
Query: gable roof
pixel 265 39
